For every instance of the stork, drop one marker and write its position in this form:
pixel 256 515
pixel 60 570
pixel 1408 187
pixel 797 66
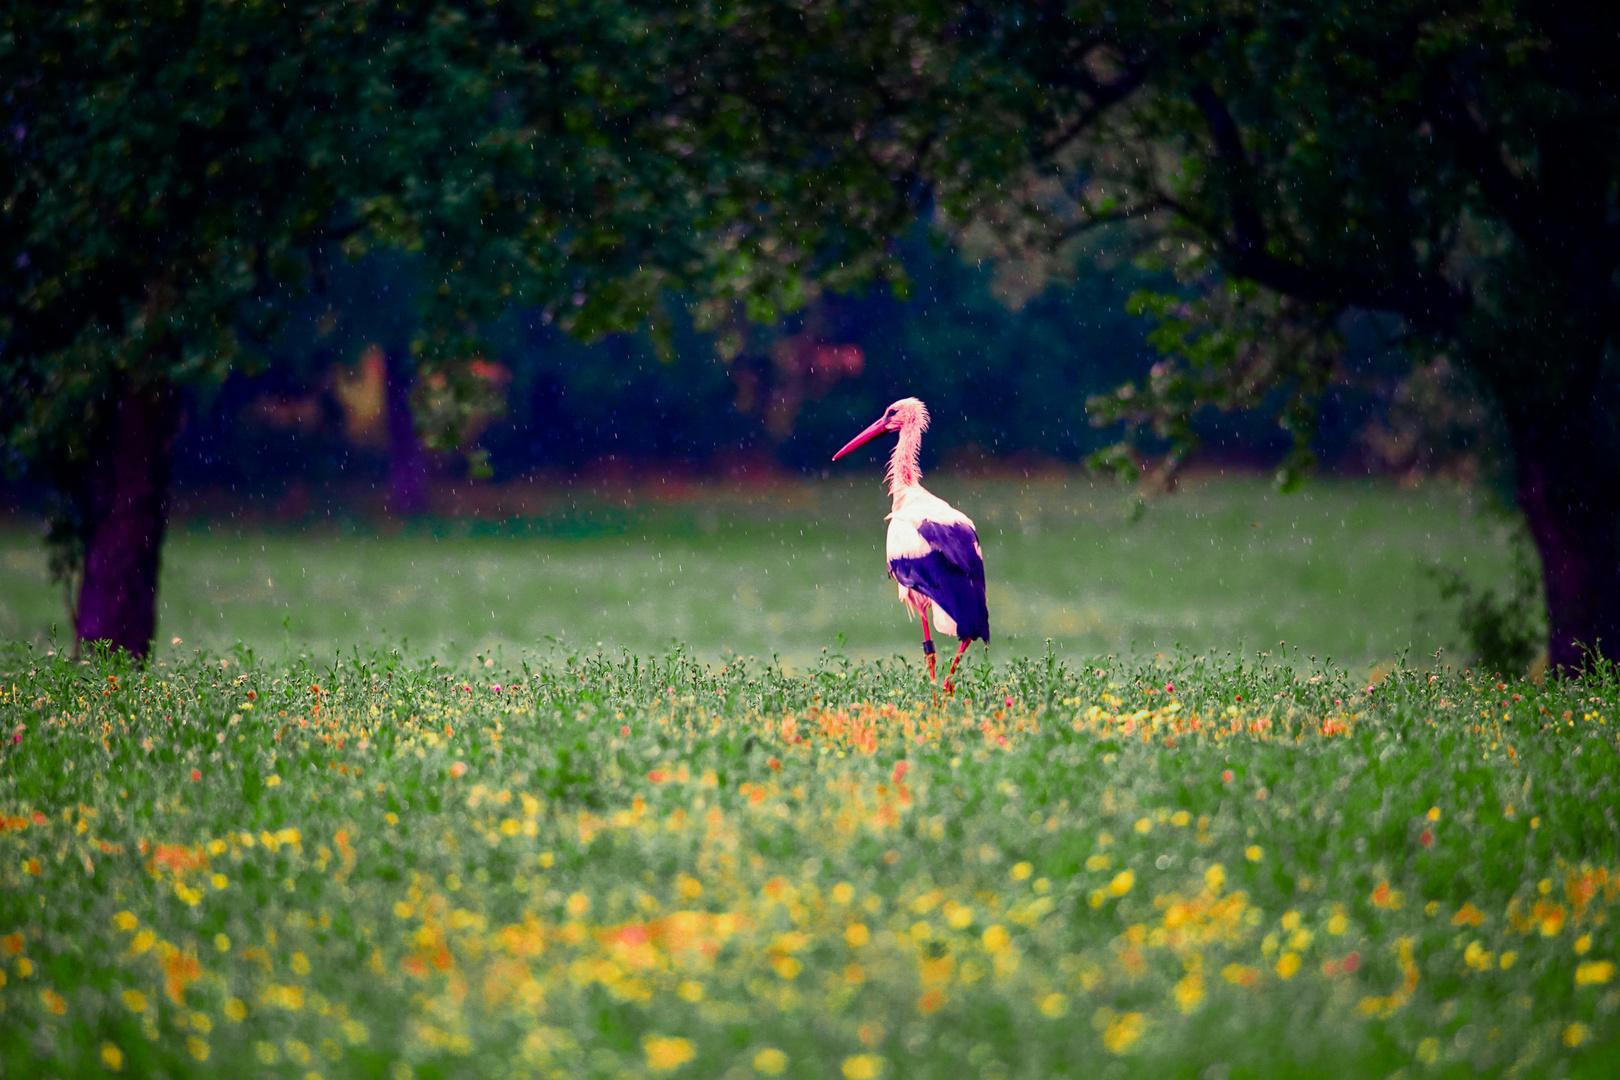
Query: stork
pixel 933 549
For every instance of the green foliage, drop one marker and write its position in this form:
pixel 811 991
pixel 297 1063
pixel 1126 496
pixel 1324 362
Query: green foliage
pixel 1504 630
pixel 585 863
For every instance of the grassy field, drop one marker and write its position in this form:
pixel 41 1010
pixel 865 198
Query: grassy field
pixel 1336 570
pixel 576 866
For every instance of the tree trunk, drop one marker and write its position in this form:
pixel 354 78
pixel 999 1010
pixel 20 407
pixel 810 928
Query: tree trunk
pixel 1568 488
pixel 128 513
pixel 407 464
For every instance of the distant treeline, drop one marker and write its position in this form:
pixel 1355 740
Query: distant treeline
pixel 1005 368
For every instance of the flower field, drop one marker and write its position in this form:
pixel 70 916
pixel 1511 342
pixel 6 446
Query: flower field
pixel 588 866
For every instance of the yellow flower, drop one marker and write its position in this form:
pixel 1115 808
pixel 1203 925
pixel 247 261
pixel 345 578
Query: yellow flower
pixel 1144 825
pixel 1254 853
pixel 578 905
pixel 994 937
pixel 665 1054
pixel 197 1048
pixel 272 780
pixel 1095 863
pixel 1428 1050
pixel 300 964
pixel 690 990
pixel 222 943
pixel 124 920
pixel 1576 1033
pixel 1190 992
pixel 1288 965
pixel 1215 877
pixel 1594 972
pixel 786 967
pixel 1582 944
pixel 236 1009
pixel 142 942
pixel 1022 870
pixel 770 1061
pixel 355 1032
pixel 1055 1005
pixel 863 1067
pixel 856 934
pixel 1123 1032
pixel 134 1001
pixel 112 1057
pixel 55 1003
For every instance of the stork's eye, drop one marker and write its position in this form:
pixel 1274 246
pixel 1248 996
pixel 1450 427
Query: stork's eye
pixel 889 415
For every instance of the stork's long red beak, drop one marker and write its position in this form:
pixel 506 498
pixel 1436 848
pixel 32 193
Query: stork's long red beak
pixel 879 426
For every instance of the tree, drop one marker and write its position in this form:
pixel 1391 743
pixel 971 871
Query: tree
pixel 1454 166
pixel 171 170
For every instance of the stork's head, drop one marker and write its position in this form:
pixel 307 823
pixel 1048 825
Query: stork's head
pixel 907 413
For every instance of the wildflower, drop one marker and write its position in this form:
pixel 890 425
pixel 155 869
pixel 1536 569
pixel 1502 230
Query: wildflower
pixel 1254 853
pixel 196 775
pixel 126 920
pixel 134 1001
pixel 857 935
pixel 665 1054
pixel 236 1010
pixel 1428 1050
pixel 1594 972
pixel 142 942
pixel 1387 898
pixel 197 1048
pixel 458 768
pixel 1055 1005
pixel 770 1061
pixel 1021 871
pixel 1288 965
pixel 1123 1032
pixel 1576 1033
pixel 1122 882
pixel 111 1056
pixel 863 1067
pixel 1189 992
pixel 55 1003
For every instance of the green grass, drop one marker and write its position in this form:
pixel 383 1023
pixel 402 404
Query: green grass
pixel 1336 570
pixel 577 866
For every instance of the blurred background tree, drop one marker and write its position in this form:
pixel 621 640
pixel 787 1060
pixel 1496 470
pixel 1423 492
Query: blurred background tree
pixel 1454 169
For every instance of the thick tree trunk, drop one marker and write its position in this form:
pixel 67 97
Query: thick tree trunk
pixel 407 464
pixel 1569 489
pixel 128 512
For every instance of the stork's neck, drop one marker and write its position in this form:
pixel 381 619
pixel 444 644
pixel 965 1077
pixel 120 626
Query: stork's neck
pixel 903 472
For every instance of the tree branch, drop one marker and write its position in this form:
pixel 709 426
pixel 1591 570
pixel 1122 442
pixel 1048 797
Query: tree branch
pixel 1427 301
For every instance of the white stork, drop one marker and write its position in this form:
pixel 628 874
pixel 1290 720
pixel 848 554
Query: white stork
pixel 933 549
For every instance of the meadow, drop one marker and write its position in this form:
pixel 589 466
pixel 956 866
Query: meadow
pixel 1338 570
pixel 586 865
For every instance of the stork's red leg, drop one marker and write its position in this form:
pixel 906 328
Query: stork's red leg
pixel 960 649
pixel 928 647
